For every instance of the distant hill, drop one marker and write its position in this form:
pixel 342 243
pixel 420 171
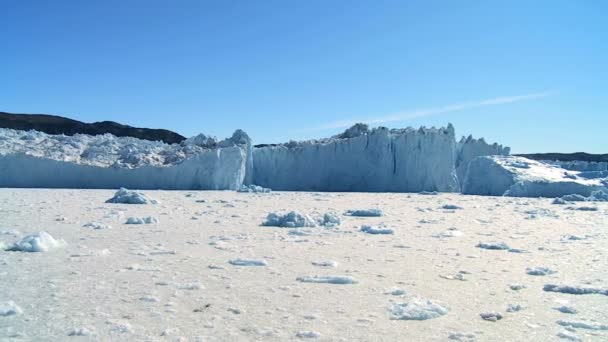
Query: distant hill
pixel 567 156
pixel 52 124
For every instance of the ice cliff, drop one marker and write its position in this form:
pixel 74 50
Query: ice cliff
pixel 522 177
pixel 470 148
pixel 35 159
pixel 360 159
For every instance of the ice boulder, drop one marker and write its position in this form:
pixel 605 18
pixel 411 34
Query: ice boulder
pixel 130 197
pixel 142 220
pixel 522 177
pixel 9 308
pixel 35 159
pixel 292 219
pixel 402 160
pixel 418 309
pixel 254 189
pixel 38 242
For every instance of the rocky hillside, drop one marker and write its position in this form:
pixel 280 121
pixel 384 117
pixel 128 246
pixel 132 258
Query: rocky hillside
pixel 52 124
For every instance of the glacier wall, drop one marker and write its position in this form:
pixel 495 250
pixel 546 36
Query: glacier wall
pixel 34 159
pixel 405 160
pixel 522 177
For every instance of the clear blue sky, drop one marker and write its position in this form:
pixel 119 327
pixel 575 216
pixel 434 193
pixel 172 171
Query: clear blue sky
pixel 529 74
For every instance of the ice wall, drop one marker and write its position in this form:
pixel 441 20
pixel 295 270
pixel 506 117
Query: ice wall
pixel 405 160
pixel 522 177
pixel 34 159
pixel 470 148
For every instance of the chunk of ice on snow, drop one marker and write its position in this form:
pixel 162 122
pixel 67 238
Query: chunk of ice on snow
pixel 340 280
pixel 365 212
pixel 248 262
pixel 539 271
pixel 493 245
pixel 376 230
pixel 575 289
pixel 131 197
pixel 142 220
pixel 9 309
pixel 582 325
pixel 292 219
pixel 38 242
pixel 416 309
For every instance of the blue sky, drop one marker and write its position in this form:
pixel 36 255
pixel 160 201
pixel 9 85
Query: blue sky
pixel 529 74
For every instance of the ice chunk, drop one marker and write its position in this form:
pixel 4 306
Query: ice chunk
pixel 582 325
pixel 337 279
pixel 566 309
pixel 248 262
pixel 376 230
pixel 539 271
pixel 130 197
pixel 331 220
pixel 521 177
pixel 491 316
pixel 417 308
pixel 450 207
pixel 325 263
pixel 254 189
pixel 493 245
pixel 307 334
pixel 365 212
pixel 97 225
pixel 142 220
pixel 9 308
pixel 575 289
pixel 292 219
pixel 38 242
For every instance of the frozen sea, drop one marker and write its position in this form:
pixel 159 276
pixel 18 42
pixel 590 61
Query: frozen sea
pixel 200 266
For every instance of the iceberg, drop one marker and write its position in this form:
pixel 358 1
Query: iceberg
pixel 522 177
pixel 470 148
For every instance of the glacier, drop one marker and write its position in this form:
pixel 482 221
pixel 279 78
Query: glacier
pixel 425 160
pixel 377 160
pixel 522 177
pixel 33 159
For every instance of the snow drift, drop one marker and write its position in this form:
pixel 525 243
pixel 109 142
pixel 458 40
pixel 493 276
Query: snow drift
pixel 35 159
pixel 403 160
pixel 522 177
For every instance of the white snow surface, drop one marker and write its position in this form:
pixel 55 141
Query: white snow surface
pixel 36 159
pixel 151 280
pixel 522 177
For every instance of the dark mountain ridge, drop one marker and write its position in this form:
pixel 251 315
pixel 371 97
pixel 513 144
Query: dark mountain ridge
pixel 53 124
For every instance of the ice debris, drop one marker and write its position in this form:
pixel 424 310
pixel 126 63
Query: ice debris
pixel 493 245
pixel 38 242
pixel 142 220
pixel 248 262
pixel 539 271
pixel 254 189
pixel 418 309
pixel 337 279
pixel 9 308
pixel 292 219
pixel 491 316
pixel 131 197
pixel 365 212
pixel 376 230
pixel 575 289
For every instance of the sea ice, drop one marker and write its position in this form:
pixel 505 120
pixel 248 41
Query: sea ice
pixel 38 242
pixel 491 316
pixel 97 225
pixel 582 325
pixel 254 189
pixel 416 308
pixel 325 263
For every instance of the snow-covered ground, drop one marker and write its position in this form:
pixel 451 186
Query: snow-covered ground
pixel 208 270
